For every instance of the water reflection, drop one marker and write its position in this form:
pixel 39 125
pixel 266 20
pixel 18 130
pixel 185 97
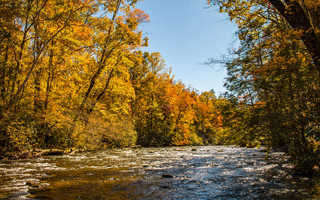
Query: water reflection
pixel 211 172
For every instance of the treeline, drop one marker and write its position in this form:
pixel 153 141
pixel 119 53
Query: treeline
pixel 72 76
pixel 273 76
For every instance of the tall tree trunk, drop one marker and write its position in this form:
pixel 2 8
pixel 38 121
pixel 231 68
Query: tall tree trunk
pixel 37 75
pixel 49 77
pixel 101 93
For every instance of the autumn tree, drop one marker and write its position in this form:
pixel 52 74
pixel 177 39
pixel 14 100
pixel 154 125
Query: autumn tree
pixel 73 76
pixel 38 26
pixel 207 119
pixel 59 61
pixel 163 108
pixel 274 78
pixel 304 17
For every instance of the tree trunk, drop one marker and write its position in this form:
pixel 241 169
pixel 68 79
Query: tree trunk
pixel 298 19
pixel 102 93
pixel 49 77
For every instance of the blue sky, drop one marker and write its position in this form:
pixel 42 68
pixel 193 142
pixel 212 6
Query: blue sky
pixel 187 34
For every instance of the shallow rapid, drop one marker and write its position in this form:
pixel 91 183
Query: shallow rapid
pixel 206 172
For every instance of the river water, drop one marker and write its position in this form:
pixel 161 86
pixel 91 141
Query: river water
pixel 206 172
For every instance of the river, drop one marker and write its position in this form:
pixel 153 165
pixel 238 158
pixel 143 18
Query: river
pixel 206 172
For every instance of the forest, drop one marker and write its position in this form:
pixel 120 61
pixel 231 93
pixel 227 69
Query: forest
pixel 74 76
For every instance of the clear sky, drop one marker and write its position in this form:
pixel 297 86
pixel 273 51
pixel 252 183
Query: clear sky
pixel 187 34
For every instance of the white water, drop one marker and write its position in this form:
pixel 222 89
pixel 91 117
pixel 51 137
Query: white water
pixel 210 172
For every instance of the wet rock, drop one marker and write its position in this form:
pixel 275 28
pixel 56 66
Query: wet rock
pixel 194 150
pixel 29 183
pixel 89 173
pixel 250 163
pixel 73 151
pixel 39 197
pixel 263 150
pixel 220 150
pixel 167 176
pixel 33 184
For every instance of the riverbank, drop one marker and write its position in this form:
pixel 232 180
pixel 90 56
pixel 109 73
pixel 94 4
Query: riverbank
pixel 50 152
pixel 38 153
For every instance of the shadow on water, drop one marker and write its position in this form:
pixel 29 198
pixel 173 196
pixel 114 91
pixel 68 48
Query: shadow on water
pixel 211 172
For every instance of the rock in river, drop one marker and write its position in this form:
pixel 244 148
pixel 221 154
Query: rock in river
pixel 167 176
